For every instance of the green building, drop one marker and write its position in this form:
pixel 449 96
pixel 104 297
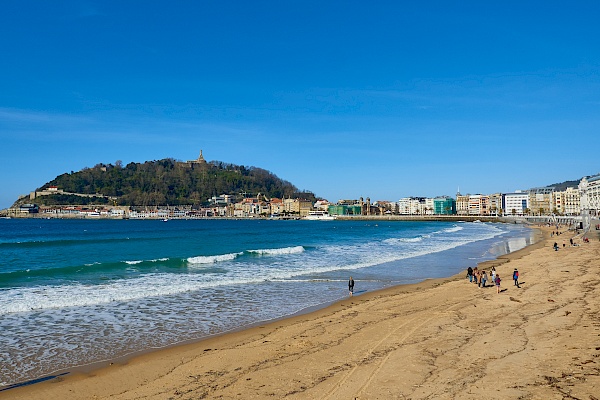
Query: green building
pixel 444 205
pixel 344 210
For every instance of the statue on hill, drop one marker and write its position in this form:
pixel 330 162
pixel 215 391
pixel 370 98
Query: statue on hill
pixel 200 160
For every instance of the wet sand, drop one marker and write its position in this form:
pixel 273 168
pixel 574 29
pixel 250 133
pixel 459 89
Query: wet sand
pixel 442 339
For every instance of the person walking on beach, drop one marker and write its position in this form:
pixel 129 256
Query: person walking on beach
pixel 516 277
pixel 484 278
pixel 470 274
pixel 351 286
pixel 497 282
pixel 493 273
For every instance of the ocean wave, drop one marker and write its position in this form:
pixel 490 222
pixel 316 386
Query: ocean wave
pixel 37 298
pixel 404 240
pixel 285 250
pixel 154 260
pixel 455 228
pixel 213 259
pixel 320 259
pixel 164 284
pixel 66 242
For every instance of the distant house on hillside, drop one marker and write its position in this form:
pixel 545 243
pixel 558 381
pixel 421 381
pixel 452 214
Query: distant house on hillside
pixel 29 208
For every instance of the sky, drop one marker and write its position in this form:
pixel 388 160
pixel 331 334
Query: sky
pixel 347 99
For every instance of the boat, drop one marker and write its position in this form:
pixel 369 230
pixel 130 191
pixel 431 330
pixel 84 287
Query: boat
pixel 319 216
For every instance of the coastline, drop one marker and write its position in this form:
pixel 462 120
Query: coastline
pixel 319 348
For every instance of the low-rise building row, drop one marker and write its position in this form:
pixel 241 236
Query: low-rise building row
pixel 537 201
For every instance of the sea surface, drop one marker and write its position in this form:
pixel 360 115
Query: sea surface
pixel 76 292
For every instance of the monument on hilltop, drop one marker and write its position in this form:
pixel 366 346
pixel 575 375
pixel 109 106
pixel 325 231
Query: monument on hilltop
pixel 199 160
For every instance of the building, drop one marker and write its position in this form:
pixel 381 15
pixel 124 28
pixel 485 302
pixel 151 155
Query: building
pixel 462 204
pixel 385 207
pixel 567 202
pixel 321 205
pixel 277 207
pixel 429 206
pixel 593 194
pixel 411 206
pixel 495 204
pixel 29 209
pixel 572 201
pixel 300 207
pixel 516 203
pixel 221 200
pixel 344 209
pixel 444 205
pixel 541 200
pixel 479 204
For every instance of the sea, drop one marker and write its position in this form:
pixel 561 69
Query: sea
pixel 83 292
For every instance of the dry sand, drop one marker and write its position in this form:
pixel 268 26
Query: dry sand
pixel 442 339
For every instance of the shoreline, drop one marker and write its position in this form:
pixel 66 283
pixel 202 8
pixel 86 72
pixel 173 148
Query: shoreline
pixel 123 375
pixel 91 369
pixel 123 358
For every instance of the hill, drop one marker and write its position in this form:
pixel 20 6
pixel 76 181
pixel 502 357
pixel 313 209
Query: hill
pixel 165 182
pixel 566 184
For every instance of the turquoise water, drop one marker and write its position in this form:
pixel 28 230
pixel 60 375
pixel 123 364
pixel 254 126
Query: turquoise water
pixel 74 292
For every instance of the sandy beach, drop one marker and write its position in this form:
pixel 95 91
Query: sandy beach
pixel 441 339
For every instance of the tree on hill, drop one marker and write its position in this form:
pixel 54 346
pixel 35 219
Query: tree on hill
pixel 171 182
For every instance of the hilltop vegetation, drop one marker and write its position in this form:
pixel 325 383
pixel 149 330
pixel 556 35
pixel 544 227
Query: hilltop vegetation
pixel 167 181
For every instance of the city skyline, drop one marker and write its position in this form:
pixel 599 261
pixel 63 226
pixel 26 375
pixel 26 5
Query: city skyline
pixel 344 99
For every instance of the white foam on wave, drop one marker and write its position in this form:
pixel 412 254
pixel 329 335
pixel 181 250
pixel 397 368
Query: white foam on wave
pixel 455 228
pixel 94 263
pixel 20 300
pixel 404 240
pixel 285 250
pixel 134 262
pixel 213 259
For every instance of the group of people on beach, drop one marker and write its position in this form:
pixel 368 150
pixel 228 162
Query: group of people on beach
pixel 481 277
pixel 584 239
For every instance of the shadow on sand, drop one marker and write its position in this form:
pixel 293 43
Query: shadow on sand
pixel 33 381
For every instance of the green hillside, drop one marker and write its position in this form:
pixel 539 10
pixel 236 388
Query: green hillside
pixel 165 182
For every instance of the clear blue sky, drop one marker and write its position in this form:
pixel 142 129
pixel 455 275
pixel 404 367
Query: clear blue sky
pixel 381 99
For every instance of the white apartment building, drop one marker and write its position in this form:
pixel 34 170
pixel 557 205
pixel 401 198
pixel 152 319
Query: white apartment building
pixel 593 193
pixel 429 206
pixel 411 206
pixel 222 199
pixel 572 201
pixel 567 202
pixel 515 203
